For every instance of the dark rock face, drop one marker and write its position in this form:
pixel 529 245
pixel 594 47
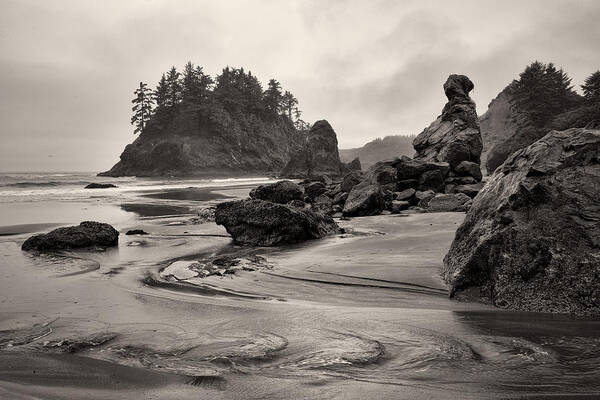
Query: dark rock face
pixel 319 156
pixel 364 199
pixel 354 165
pixel 86 234
pixel 281 192
pixel 350 180
pixel 100 186
pixel 531 239
pixel 262 223
pixel 454 137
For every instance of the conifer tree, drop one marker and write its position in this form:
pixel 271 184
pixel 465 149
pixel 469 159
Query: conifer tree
pixel 591 87
pixel 142 107
pixel 289 102
pixel 273 98
pixel 174 88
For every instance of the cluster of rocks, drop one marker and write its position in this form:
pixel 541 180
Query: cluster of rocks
pixel 86 234
pixel 219 266
pixel 531 240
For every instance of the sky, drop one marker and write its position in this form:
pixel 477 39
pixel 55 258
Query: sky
pixel 371 68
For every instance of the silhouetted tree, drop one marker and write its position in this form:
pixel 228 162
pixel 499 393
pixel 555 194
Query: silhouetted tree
pixel 542 91
pixel 273 98
pixel 174 94
pixel 142 107
pixel 591 87
pixel 288 103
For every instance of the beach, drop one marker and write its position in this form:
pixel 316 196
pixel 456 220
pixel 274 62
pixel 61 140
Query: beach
pixel 361 314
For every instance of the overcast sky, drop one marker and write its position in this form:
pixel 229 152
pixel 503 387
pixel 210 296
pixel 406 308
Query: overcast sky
pixel 372 68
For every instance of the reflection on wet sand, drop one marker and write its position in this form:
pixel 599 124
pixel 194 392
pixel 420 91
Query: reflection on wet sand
pixel 358 315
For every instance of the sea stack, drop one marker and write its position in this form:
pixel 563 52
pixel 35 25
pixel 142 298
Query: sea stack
pixel 454 137
pixel 319 155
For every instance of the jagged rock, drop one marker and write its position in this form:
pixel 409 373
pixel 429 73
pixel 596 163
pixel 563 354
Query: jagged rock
pixel 469 169
pixel 314 189
pixel 382 173
pixel 340 198
pixel 454 136
pixel 262 223
pixel 399 205
pixel 354 165
pixel 100 186
pixel 407 184
pixel 431 180
pixel 298 204
pixel 407 168
pixel 323 204
pixel 423 197
pixel 364 199
pixel 86 234
pixel 319 155
pixel 531 239
pixel 445 202
pixel 350 180
pixel 281 192
pixel 405 194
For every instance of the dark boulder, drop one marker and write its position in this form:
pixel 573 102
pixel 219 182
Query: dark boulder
pixel 136 232
pixel 445 202
pixel 431 180
pixel 406 194
pixel 86 234
pixel 319 156
pixel 531 240
pixel 281 192
pixel 407 168
pixel 100 186
pixel 262 223
pixel 469 169
pixel 364 199
pixel 454 136
pixel 350 180
pixel 314 189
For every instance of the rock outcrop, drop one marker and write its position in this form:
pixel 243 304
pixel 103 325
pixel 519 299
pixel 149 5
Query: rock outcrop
pixel 193 146
pixel 454 136
pixel 86 234
pixel 319 155
pixel 531 240
pixel 100 186
pixel 354 165
pixel 281 192
pixel 263 223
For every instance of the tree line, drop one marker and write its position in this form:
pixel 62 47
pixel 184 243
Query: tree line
pixel 234 91
pixel 543 91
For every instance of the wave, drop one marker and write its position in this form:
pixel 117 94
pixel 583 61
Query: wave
pixel 31 184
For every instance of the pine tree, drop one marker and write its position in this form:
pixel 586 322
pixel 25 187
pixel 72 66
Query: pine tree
pixel 142 107
pixel 272 98
pixel 161 93
pixel 591 87
pixel 288 103
pixel 174 88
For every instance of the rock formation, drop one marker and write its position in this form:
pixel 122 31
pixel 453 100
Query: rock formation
pixel 354 165
pixel 319 155
pixel 87 234
pixel 263 223
pixel 531 239
pixel 100 186
pixel 454 136
pixel 281 192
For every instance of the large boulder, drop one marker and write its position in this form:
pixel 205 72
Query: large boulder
pixel 262 223
pixel 86 234
pixel 446 202
pixel 350 180
pixel 319 156
pixel 454 136
pixel 279 192
pixel 365 198
pixel 531 240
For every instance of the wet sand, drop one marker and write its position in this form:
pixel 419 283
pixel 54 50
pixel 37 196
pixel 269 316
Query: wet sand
pixel 354 316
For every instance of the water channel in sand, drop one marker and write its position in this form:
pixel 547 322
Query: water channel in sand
pixel 358 315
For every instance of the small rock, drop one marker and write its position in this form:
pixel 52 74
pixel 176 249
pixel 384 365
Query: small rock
pixel 399 205
pixel 405 194
pixel 100 186
pixel 136 232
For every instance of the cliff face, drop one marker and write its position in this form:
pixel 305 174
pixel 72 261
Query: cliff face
pixel 224 146
pixel 319 155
